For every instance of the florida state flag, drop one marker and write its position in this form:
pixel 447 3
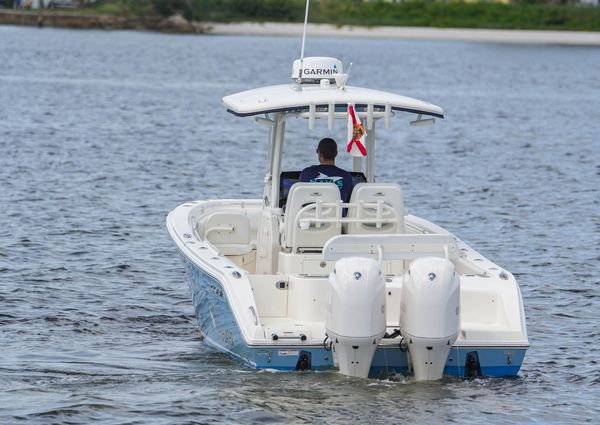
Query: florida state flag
pixel 356 134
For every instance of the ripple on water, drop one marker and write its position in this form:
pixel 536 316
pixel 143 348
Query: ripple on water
pixel 96 323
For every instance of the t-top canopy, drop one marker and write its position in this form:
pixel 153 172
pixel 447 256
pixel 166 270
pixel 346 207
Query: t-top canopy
pixel 291 98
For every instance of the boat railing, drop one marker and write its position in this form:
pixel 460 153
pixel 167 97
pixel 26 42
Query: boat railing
pixel 378 214
pixel 380 217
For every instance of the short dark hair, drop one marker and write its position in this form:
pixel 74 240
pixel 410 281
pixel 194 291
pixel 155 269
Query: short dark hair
pixel 328 148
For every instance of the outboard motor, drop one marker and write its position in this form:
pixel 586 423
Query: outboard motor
pixel 429 314
pixel 355 320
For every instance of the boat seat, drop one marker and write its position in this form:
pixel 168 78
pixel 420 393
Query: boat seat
pixel 297 236
pixel 227 231
pixel 390 194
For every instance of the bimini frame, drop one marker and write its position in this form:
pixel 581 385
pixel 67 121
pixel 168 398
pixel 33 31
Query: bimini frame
pixel 273 105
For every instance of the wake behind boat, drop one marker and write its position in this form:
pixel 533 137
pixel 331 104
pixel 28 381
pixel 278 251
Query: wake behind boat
pixel 291 282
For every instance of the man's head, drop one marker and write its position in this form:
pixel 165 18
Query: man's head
pixel 327 151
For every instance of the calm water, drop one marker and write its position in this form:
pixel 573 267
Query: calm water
pixel 103 133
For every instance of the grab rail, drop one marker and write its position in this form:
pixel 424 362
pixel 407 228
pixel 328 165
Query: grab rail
pixel 318 206
pixel 305 222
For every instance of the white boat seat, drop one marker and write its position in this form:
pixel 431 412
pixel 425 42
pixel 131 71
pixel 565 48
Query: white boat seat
pixel 297 235
pixel 371 193
pixel 227 231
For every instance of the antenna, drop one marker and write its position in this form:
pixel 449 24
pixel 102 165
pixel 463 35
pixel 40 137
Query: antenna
pixel 299 81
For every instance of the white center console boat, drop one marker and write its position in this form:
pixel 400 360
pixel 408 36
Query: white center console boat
pixel 291 282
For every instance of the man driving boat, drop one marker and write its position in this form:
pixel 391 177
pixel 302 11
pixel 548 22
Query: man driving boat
pixel 327 172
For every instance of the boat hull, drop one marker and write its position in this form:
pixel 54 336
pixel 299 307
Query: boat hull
pixel 221 331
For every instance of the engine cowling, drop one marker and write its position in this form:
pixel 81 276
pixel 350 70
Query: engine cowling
pixel 355 319
pixel 430 314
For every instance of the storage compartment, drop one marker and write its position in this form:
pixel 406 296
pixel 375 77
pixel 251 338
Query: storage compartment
pixel 307 299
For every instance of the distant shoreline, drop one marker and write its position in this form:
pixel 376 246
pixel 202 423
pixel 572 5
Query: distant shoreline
pixel 78 20
pixel 410 33
pixel 176 24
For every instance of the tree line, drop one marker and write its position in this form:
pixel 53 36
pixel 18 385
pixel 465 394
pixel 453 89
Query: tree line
pixel 521 14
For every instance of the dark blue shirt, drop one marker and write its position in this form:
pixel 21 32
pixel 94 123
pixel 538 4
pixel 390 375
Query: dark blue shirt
pixel 330 174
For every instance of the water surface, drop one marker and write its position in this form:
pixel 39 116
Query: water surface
pixel 103 133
